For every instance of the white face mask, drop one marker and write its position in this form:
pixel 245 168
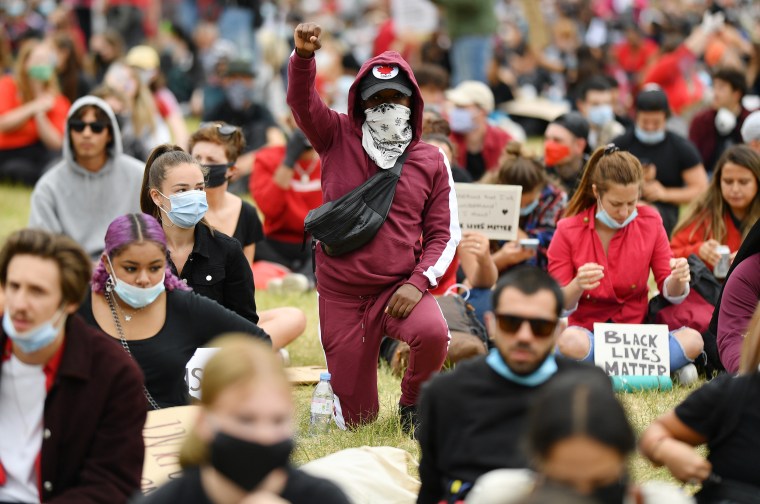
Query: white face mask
pixel 386 133
pixel 725 121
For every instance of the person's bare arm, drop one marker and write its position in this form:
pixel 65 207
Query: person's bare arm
pixel 695 180
pixel 15 118
pixel 475 258
pixel 50 136
pixel 670 442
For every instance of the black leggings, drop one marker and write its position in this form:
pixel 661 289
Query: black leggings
pixel 25 165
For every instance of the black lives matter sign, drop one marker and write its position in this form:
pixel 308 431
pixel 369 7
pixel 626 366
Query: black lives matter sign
pixel 632 349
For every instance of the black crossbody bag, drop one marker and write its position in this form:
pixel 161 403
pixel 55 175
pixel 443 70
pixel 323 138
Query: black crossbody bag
pixel 351 221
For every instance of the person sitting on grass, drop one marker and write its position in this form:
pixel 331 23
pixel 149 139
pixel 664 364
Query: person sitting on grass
pixel 239 449
pixel 726 212
pixel 602 253
pixel 217 146
pixel 723 414
pixel 138 301
pixel 483 403
pixel 93 184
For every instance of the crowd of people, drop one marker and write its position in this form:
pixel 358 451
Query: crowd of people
pixel 145 128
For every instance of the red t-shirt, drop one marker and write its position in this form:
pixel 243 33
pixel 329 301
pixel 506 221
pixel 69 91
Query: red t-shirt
pixel 27 134
pixel 632 59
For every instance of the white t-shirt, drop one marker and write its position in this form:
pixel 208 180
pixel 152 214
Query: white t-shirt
pixel 22 404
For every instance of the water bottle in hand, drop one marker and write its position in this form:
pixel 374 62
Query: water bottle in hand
pixel 321 406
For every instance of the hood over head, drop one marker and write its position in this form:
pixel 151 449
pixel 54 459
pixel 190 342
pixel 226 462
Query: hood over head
pixel 115 150
pixel 403 82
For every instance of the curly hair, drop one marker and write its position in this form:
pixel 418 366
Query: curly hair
pixel 125 231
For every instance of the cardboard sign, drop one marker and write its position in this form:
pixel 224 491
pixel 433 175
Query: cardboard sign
pixel 164 432
pixel 490 209
pixel 305 375
pixel 194 370
pixel 632 349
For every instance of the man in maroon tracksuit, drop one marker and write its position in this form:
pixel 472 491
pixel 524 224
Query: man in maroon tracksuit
pixel 382 287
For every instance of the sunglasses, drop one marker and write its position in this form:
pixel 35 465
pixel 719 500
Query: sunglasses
pixel 223 129
pixel 511 324
pixel 79 126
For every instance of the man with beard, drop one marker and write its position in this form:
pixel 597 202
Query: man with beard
pixel 472 419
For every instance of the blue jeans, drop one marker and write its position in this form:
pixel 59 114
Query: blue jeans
pixel 678 357
pixel 470 56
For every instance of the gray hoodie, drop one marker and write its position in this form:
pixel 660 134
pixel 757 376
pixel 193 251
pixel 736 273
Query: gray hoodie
pixel 79 203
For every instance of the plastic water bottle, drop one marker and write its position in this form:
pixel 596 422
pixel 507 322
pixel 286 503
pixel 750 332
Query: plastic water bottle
pixel 724 263
pixel 322 402
pixel 640 383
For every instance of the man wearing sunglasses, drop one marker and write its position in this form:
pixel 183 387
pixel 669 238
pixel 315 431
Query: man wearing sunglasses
pixel 472 419
pixel 94 183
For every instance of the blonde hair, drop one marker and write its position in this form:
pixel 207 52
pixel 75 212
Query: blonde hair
pixel 240 359
pixel 607 165
pixel 750 358
pixel 143 106
pixel 518 167
pixel 711 207
pixel 23 81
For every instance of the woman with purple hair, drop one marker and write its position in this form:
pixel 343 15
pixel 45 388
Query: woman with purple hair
pixel 137 300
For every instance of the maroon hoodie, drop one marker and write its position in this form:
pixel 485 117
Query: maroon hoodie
pixel 424 205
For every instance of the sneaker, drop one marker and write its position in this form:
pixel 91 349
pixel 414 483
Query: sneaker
pixel 274 286
pixel 409 420
pixel 687 375
pixel 294 283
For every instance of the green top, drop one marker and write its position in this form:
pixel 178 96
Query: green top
pixel 469 17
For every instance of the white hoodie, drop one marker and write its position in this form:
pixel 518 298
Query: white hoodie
pixel 79 203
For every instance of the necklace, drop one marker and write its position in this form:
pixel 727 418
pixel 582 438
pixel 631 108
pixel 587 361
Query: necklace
pixel 127 316
pixel 112 305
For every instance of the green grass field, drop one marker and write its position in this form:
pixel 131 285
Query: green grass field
pixel 642 407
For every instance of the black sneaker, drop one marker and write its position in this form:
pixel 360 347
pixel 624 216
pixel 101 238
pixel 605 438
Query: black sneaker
pixel 410 422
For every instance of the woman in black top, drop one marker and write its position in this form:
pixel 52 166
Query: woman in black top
pixel 138 300
pixel 239 449
pixel 217 146
pixel 724 414
pixel 207 260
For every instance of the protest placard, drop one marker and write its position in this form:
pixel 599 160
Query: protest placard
pixel 490 209
pixel 164 432
pixel 194 370
pixel 632 349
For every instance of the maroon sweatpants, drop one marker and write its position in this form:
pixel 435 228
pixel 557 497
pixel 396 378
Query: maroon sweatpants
pixel 351 328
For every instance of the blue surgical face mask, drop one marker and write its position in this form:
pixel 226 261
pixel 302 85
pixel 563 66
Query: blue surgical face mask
pixel 136 297
pixel 601 115
pixel 37 338
pixel 527 210
pixel 188 208
pixel 604 217
pixel 460 120
pixel 649 137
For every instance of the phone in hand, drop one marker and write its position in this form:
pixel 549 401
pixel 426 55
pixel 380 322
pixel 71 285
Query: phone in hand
pixel 529 243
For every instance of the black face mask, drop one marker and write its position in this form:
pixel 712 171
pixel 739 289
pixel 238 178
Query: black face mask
pixel 246 463
pixel 217 174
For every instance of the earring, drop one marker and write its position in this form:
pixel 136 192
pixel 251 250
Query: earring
pixel 110 285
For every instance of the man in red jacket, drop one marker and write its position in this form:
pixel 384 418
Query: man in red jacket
pixel 382 287
pixel 72 407
pixel 285 185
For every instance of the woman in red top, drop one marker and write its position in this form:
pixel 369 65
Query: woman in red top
pixel 32 114
pixel 602 253
pixel 726 212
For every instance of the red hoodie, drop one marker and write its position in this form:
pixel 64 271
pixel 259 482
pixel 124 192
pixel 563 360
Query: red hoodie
pixel 284 209
pixel 424 204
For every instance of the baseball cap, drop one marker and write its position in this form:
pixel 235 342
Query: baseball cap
pixel 143 56
pixel 751 127
pixel 240 67
pixel 575 123
pixel 385 77
pixel 652 99
pixel 472 93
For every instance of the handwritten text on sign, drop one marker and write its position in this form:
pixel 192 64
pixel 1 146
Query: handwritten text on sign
pixel 194 370
pixel 632 349
pixel 491 209
pixel 164 432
